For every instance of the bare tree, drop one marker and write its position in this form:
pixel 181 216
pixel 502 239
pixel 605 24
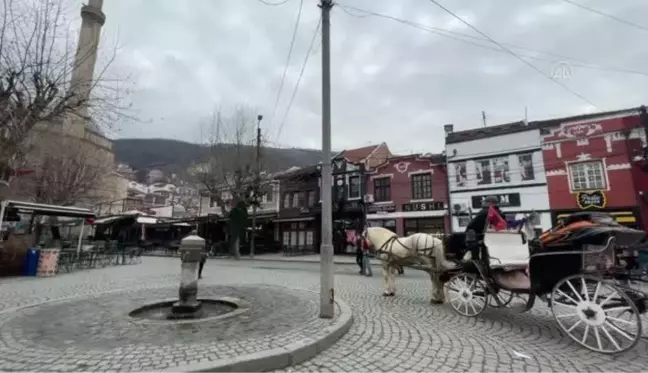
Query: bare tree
pixel 37 84
pixel 65 171
pixel 228 173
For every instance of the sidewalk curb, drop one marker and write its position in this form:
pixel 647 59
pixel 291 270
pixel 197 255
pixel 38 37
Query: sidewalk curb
pixel 288 261
pixel 281 357
pixel 247 259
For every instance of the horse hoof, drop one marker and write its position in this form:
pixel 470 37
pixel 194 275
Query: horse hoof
pixel 436 301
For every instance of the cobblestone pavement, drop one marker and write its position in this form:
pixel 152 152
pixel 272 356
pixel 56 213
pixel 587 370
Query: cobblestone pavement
pixel 403 333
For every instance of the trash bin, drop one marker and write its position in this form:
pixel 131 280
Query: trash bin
pixel 31 262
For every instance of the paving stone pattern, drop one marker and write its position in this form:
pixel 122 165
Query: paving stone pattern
pixel 403 333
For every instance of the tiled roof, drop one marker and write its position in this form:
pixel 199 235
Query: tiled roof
pixel 486 132
pixel 521 126
pixel 299 172
pixel 359 154
pixel 434 158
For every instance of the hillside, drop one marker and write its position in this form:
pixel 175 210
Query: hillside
pixel 172 156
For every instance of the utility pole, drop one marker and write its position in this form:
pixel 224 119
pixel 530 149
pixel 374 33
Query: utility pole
pixel 327 294
pixel 484 117
pixel 257 184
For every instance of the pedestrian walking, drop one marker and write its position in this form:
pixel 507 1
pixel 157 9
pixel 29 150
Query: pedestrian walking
pixel 203 259
pixel 359 254
pixel 366 258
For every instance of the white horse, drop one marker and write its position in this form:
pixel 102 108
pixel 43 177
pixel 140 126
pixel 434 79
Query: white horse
pixel 420 250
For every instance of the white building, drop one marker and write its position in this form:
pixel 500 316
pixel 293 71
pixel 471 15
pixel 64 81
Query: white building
pixel 503 161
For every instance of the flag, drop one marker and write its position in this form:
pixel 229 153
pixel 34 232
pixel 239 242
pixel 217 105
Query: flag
pixel 495 219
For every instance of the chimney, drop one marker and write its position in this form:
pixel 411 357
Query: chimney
pixel 448 128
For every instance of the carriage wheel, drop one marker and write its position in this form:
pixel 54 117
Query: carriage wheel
pixel 467 294
pixel 597 315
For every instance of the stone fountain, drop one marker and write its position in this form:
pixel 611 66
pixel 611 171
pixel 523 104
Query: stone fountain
pixel 188 306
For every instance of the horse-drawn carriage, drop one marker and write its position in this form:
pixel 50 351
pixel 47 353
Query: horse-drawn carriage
pixel 584 269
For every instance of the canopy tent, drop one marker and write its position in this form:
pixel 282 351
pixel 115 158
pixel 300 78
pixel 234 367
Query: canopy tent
pixel 47 210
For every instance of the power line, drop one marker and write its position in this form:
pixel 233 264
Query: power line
pixel 283 76
pixel 273 4
pixel 606 15
pixel 512 53
pixel 301 74
pixel 451 34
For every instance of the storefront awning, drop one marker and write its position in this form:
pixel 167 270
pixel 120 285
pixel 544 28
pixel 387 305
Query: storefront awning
pixel 146 220
pixel 49 210
pixel 622 217
pixel 407 215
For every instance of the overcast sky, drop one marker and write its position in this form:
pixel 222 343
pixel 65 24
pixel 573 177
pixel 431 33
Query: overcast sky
pixel 390 82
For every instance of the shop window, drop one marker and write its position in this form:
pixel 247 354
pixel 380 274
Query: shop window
pixel 354 187
pixel 385 223
pixel 311 198
pixel 493 170
pixel 287 200
pixel 424 225
pixel 286 238
pixel 382 189
pixel 422 186
pixel 587 175
pixel 296 200
pixel 526 166
pixel 267 192
pixel 309 238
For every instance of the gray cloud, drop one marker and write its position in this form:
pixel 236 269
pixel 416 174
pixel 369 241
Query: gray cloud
pixel 391 82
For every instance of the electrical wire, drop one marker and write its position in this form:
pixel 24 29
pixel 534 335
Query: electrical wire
pixel 565 87
pixel 451 35
pixel 273 4
pixel 301 74
pixel 626 22
pixel 290 50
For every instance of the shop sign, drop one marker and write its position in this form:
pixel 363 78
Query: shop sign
pixel 423 206
pixel 596 200
pixel 381 209
pixel 504 200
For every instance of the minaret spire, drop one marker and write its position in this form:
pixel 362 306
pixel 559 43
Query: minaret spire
pixel 85 60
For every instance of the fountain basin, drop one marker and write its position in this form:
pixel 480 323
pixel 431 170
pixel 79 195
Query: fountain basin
pixel 170 311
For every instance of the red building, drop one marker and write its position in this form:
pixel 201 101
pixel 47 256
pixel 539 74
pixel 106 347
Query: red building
pixel 591 163
pixel 409 194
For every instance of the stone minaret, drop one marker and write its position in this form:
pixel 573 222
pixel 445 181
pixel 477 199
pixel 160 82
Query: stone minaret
pixel 86 57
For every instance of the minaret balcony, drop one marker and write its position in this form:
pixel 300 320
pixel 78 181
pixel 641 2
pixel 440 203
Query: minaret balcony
pixel 88 11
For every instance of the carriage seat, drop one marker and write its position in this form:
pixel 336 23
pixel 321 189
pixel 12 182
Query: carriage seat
pixel 508 250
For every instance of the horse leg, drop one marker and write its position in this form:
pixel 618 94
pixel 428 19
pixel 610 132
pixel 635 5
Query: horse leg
pixel 437 288
pixel 391 280
pixel 386 270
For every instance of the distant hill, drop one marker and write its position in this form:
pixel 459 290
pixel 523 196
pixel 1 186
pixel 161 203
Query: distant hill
pixel 172 156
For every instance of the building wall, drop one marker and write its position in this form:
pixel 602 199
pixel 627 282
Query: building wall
pixel 611 140
pixel 510 166
pixel 402 206
pixel 269 202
